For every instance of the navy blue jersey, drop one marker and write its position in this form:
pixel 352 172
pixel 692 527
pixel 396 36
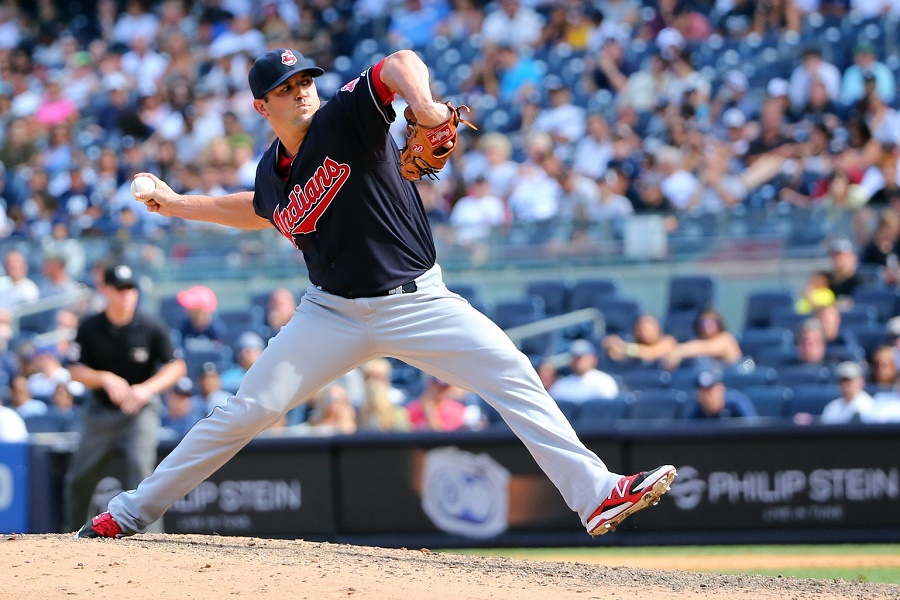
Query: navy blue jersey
pixel 361 226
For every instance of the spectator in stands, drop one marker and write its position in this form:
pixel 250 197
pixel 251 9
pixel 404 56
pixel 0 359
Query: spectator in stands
pixel 883 370
pixel 646 86
pixel 62 404
pixel 57 279
pixel 476 215
pixel 16 288
pixel 413 24
pixel 853 84
pixel 844 276
pixel 593 152
pixel 610 68
pixel 884 247
pixel 331 412
pixel 12 427
pixel 812 68
pixel 380 411
pixel 209 387
pixel 563 120
pixel 776 16
pixel 815 293
pixel 21 401
pixel 438 408
pixel 649 343
pixel 713 343
pixel 182 409
pixel 45 372
pixel 715 401
pixel 281 307
pixel 836 335
pixel 853 402
pixel 512 23
pixel 380 370
pixel 810 343
pixel 201 328
pixel 737 20
pixel 247 349
pixel 585 382
pixel 492 160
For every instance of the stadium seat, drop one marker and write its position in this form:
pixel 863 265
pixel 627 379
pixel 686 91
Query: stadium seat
pixel 554 292
pixel 642 379
pixel 172 313
pixel 769 400
pixel 39 322
pixel 760 305
pixel 886 300
pixel 47 423
pixel 786 318
pixel 812 398
pixel 568 408
pixel 511 313
pixel 602 410
pixel 680 323
pixel 619 314
pixel 739 377
pixel 692 292
pixel 869 336
pixel 754 340
pixel 859 314
pixel 795 375
pixel 587 293
pixel 221 356
pixel 657 404
pixel 684 378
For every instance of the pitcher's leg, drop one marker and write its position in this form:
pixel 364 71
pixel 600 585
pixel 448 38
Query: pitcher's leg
pixel 318 345
pixel 467 349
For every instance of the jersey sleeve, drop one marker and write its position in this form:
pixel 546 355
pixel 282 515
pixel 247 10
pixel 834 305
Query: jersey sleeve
pixel 363 106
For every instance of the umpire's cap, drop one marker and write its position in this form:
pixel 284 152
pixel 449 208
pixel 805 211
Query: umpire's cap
pixel 272 68
pixel 120 277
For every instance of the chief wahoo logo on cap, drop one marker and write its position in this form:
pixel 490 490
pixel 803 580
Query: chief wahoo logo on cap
pixel 288 58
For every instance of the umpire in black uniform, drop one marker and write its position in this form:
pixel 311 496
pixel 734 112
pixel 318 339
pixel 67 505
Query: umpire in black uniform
pixel 127 359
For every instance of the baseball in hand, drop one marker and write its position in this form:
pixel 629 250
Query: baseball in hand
pixel 142 184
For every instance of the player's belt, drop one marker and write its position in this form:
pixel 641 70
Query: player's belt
pixel 406 288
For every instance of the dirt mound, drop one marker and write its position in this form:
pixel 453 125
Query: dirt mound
pixel 160 567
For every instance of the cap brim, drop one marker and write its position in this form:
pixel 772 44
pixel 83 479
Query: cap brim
pixel 313 72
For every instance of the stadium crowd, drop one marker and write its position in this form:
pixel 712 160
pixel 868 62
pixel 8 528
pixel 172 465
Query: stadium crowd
pixel 588 113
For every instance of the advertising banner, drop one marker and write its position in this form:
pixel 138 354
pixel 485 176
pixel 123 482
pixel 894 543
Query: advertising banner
pixel 14 488
pixel 266 490
pixel 763 483
pixel 470 488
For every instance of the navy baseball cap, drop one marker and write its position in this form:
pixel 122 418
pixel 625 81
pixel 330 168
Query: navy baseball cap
pixel 274 67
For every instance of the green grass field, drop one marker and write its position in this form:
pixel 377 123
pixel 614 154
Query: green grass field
pixel 855 556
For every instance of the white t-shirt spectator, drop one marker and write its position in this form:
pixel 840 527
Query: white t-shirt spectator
pixel 535 197
pixel 473 218
pixel 579 388
pixel 12 427
pixel 566 121
pixel 679 188
pixel 523 28
pixel 840 411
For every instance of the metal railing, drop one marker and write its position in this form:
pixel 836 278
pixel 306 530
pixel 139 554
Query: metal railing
pixel 551 324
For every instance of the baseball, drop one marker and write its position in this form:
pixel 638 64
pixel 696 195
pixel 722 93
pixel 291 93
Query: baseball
pixel 142 184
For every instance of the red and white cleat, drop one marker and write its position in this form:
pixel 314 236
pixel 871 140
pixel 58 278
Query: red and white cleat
pixel 630 494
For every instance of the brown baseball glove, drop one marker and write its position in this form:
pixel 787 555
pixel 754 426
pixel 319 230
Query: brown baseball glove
pixel 425 152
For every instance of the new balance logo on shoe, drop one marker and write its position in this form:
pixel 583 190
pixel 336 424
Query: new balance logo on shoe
pixel 103 525
pixel 629 495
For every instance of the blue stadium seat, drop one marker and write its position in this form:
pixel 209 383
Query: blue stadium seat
pixel 643 379
pixel 796 375
pixel 568 408
pixel 836 354
pixel 587 292
pixel 684 378
pixel 171 312
pixel 859 314
pixel 39 322
pixel 869 336
pixel 554 292
pixel 760 305
pixel 754 340
pixel 602 410
pixel 47 423
pixel 886 300
pixel 739 377
pixel 619 314
pixel 812 398
pixel 511 313
pixel 769 400
pixel 786 318
pixel 474 294
pixel 680 323
pixel 221 356
pixel 657 404
pixel 692 292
